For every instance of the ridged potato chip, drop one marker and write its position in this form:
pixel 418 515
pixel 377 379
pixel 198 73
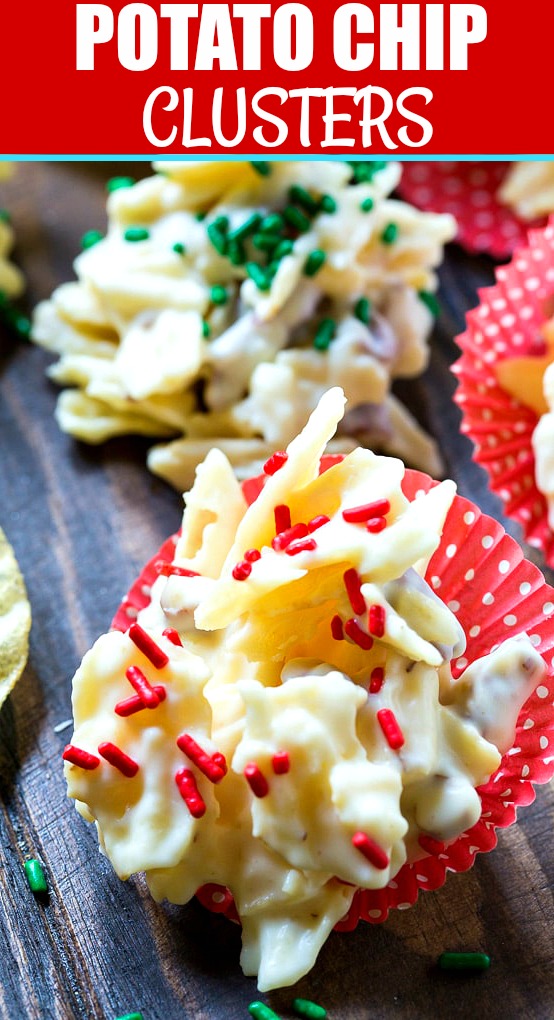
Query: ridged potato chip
pixel 15 620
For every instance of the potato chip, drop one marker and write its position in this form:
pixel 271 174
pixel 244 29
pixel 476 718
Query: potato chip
pixel 15 620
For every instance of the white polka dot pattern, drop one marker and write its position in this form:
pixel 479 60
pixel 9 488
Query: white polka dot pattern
pixel 464 569
pixel 507 323
pixel 468 191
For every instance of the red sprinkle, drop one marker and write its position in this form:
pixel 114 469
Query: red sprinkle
pixel 186 784
pixel 147 646
pixel 377 618
pixel 116 757
pixel 169 570
pixel 275 463
pixel 337 629
pixel 216 898
pixel 173 636
pixel 361 514
pixel 317 522
pixel 537 347
pixel 376 525
pixel 358 636
pixel 303 545
pixel 282 518
pixel 371 850
pixel 77 756
pixel 391 729
pixel 144 689
pixel 214 771
pixel 252 555
pixel 377 680
pixel 135 704
pixel 219 759
pixel 281 763
pixel 430 845
pixel 353 585
pixel 242 571
pixel 281 541
pixel 256 780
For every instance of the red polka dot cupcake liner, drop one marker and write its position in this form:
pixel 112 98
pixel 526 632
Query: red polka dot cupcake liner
pixel 469 191
pixel 480 573
pixel 507 323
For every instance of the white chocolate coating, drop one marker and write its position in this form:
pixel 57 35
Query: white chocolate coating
pixel 261 674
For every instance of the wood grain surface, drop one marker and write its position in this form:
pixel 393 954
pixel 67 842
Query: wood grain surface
pixel 83 521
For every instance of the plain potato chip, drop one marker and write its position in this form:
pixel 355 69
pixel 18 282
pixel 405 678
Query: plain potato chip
pixel 15 620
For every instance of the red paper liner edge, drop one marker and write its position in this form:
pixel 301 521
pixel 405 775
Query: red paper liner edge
pixel 479 571
pixel 468 191
pixel 507 323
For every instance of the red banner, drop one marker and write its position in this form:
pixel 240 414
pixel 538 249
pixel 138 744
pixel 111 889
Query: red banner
pixel 319 78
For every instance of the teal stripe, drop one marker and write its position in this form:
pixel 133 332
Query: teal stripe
pixel 428 157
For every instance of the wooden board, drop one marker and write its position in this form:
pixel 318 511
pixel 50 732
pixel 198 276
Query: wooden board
pixel 83 521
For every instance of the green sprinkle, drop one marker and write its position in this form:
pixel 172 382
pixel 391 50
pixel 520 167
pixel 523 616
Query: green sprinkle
pixel 328 204
pixel 309 1009
pixel 130 1016
pixel 297 219
pixel 13 318
pixel 200 216
pixel 260 1011
pixel 359 171
pixel 222 223
pixel 464 961
pixel 362 311
pixel 36 877
pixel 266 242
pixel 316 259
pixel 272 224
pixel 250 226
pixel 91 238
pixel 303 198
pixel 364 171
pixel 218 238
pixel 367 205
pixel 135 234
pixel 390 233
pixel 258 275
pixel 219 295
pixel 21 324
pixel 325 334
pixel 261 167
pixel 5 216
pixel 235 252
pixel 206 330
pixel 273 268
pixel 179 248
pixel 431 301
pixel 285 248
pixel 117 183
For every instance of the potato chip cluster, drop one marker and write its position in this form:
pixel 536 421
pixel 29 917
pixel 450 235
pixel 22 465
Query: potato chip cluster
pixel 11 279
pixel 295 732
pixel 226 298
pixel 529 189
